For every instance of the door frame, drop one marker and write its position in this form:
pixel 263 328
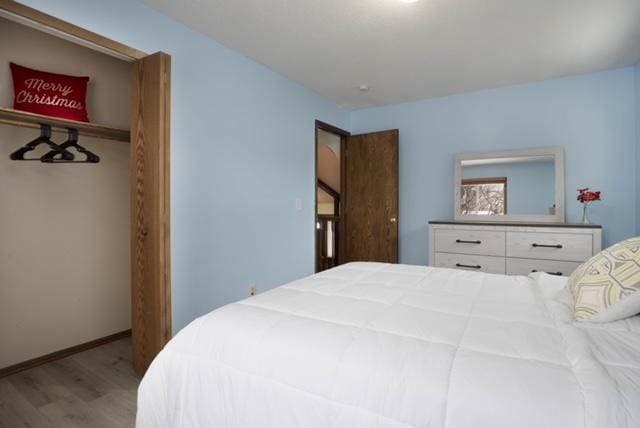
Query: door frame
pixel 343 188
pixel 154 299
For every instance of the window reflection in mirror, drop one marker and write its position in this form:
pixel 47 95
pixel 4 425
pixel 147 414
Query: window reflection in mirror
pixel 483 196
pixel 515 186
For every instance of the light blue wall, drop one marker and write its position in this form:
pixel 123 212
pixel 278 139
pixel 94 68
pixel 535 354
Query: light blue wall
pixel 242 152
pixel 530 186
pixel 592 116
pixel 637 94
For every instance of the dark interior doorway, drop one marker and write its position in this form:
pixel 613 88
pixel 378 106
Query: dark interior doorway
pixel 329 194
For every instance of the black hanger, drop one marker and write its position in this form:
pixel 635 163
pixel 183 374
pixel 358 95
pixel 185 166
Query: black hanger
pixel 56 157
pixel 44 138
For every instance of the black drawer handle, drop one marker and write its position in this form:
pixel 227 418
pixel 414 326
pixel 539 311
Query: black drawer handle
pixel 550 273
pixel 546 246
pixel 462 241
pixel 469 266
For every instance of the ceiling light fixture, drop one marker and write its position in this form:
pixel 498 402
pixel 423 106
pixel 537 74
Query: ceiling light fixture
pixel 363 88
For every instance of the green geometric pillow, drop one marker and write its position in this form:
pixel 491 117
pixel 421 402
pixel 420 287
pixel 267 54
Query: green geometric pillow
pixel 607 287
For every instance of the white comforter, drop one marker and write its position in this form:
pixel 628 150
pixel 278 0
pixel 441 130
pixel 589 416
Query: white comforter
pixel 378 345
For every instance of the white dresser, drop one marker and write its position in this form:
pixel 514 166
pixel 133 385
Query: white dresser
pixel 512 248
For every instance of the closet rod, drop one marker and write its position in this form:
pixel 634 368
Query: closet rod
pixel 31 120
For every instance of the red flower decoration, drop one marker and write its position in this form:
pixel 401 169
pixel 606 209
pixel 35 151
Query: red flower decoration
pixel 585 195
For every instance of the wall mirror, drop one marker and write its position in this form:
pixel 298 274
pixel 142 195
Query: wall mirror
pixel 516 185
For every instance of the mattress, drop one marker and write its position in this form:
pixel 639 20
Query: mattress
pixel 381 345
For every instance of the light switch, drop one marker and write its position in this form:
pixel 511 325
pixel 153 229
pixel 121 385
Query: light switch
pixel 298 204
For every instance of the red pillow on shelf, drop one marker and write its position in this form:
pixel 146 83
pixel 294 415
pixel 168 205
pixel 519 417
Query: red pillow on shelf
pixel 50 94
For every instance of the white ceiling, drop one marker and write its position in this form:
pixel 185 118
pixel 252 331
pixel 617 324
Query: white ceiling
pixel 409 51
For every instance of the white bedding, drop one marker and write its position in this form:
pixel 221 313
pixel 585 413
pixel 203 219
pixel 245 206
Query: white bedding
pixel 378 345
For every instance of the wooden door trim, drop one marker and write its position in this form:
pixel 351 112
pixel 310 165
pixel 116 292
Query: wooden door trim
pixel 159 174
pixel 150 209
pixel 51 22
pixel 330 128
pixel 343 135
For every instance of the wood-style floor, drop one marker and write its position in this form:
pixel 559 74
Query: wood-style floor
pixel 95 388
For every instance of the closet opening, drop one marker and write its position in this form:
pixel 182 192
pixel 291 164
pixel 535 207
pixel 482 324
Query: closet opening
pixel 84 224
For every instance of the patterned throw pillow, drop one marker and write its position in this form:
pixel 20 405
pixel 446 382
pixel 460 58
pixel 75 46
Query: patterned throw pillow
pixel 607 287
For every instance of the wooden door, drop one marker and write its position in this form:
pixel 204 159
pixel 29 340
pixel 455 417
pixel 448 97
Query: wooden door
pixel 150 245
pixel 371 197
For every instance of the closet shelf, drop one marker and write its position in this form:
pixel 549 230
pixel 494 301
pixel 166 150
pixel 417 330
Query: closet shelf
pixel 31 120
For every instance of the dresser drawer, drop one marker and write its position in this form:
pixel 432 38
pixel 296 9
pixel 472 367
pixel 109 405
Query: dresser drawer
pixel 488 243
pixel 575 247
pixel 527 266
pixel 486 264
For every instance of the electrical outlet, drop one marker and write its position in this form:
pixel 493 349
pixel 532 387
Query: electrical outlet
pixel 252 290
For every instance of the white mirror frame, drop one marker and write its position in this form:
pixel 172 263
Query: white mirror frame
pixel 558 156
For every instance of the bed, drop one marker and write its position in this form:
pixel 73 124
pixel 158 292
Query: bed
pixel 381 345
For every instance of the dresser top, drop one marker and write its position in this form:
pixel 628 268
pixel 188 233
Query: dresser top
pixel 517 224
